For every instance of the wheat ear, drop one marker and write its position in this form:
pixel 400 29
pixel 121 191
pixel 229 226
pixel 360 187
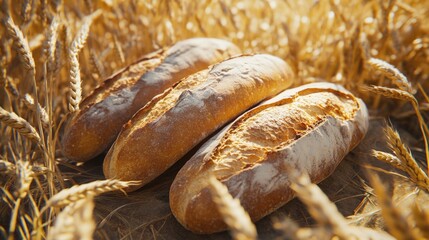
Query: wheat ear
pixel 78 192
pixel 19 124
pixel 75 95
pixel 232 212
pixel 407 161
pixel 21 45
pixel 403 95
pixel 390 72
pixel 75 221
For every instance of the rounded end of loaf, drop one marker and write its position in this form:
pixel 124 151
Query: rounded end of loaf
pixel 125 161
pixel 190 203
pixel 78 144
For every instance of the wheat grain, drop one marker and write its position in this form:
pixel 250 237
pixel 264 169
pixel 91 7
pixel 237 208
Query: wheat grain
pixel 408 162
pixel 79 192
pixel 19 124
pixel 29 102
pixel 389 158
pixel 232 212
pixel 21 45
pixel 75 221
pixel 390 72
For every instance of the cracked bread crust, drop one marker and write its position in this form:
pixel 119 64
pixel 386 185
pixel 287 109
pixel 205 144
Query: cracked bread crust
pixel 310 128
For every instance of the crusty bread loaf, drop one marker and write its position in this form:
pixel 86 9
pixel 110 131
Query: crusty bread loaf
pixel 93 129
pixel 167 128
pixel 310 128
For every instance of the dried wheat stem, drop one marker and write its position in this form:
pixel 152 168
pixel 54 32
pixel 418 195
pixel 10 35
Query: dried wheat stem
pixel 78 192
pixel 29 102
pixel 408 162
pixel 75 221
pixel 318 205
pixel 395 221
pixel 421 218
pixel 21 45
pixel 232 212
pixel 390 72
pixel 118 49
pixel 19 124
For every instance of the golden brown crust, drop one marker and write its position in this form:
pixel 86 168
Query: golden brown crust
pixel 146 148
pixel 93 129
pixel 310 128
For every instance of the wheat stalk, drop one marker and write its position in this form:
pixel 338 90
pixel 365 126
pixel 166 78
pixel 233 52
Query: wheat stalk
pixel 403 95
pixel 75 221
pixel 19 124
pixel 421 218
pixel 332 223
pixel 232 212
pixel 395 221
pixel 408 163
pixel 318 205
pixel 390 72
pixel 78 192
pixel 21 45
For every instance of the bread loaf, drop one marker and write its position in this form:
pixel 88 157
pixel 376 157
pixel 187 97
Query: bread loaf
pixel 167 128
pixel 309 128
pixel 93 129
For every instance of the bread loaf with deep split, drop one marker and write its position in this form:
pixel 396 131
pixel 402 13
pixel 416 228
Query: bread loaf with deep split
pixel 171 125
pixel 93 129
pixel 310 128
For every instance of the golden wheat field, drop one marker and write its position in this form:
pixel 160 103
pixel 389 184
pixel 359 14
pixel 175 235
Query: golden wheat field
pixel 54 53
